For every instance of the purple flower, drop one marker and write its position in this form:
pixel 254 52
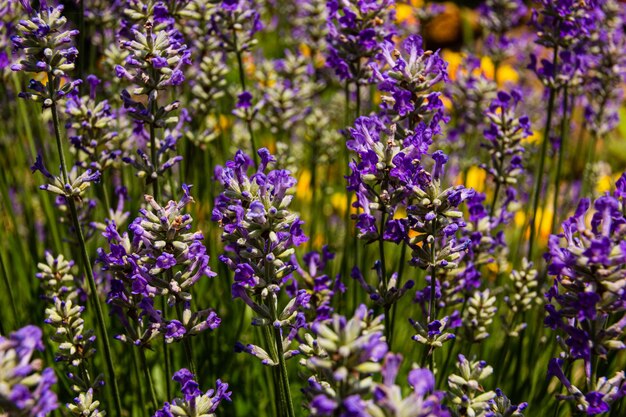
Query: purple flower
pixel 356 32
pixel 193 398
pixel 27 390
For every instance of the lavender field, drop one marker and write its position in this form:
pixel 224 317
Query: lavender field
pixel 340 208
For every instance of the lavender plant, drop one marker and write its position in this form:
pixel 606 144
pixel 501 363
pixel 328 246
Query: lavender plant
pixel 428 150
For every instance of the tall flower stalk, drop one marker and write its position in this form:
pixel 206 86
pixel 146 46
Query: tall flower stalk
pixel 564 27
pixel 44 40
pixel 261 235
pixel 234 24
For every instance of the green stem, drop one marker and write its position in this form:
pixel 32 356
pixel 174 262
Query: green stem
pixel 277 383
pixel 140 386
pixel 148 376
pixel 561 151
pixel 7 283
pixel 284 375
pixel 168 366
pixel 285 390
pixel 187 345
pixel 539 173
pixel 401 265
pixel 86 260
pixel 542 160
pixel 383 272
pixel 242 81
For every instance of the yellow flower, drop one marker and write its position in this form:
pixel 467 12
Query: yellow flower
pixel 605 183
pixel 305 50
pixel 533 138
pixel 224 122
pixel 507 74
pixel 520 218
pixel 303 189
pixel 338 202
pixel 487 67
pixel 404 14
pixel 454 60
pixel 475 178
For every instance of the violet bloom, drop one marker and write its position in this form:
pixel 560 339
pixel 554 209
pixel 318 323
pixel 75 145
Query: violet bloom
pixel 340 361
pixel 44 40
pixel 356 31
pixel 607 69
pixel 587 263
pixel 310 275
pixel 288 88
pixel 91 122
pixel 564 27
pixel 25 389
pixel 234 24
pixel 498 17
pixel 260 236
pixel 163 258
pixel 194 402
pixel 409 81
pixel 422 401
pixel 504 134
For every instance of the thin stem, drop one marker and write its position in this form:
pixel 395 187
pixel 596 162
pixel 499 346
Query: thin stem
pixel 561 151
pixel 347 223
pixel 539 173
pixel 156 191
pixel 284 375
pixel 242 81
pixel 383 272
pixel 148 377
pixel 86 260
pixel 168 366
pixel 142 397
pixel 154 159
pixel 7 283
pixel 401 265
pixel 187 345
pixel 285 391
pixel 277 383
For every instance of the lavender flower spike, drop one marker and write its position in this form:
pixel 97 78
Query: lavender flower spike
pixel 25 390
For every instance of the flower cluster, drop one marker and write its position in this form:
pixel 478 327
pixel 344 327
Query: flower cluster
pixel 409 82
pixel 423 400
pixel 260 235
pixel 472 92
pixel 91 122
pixel 498 17
pixel 234 23
pixel 162 259
pixel 44 40
pixel 564 27
pixel 342 359
pixel 521 298
pixel 322 288
pixel 386 173
pixel 586 301
pixel 75 345
pixel 503 138
pixel 356 32
pixel 155 63
pixel 607 70
pixel 71 187
pixel 194 402
pixel 25 390
pixel 465 391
